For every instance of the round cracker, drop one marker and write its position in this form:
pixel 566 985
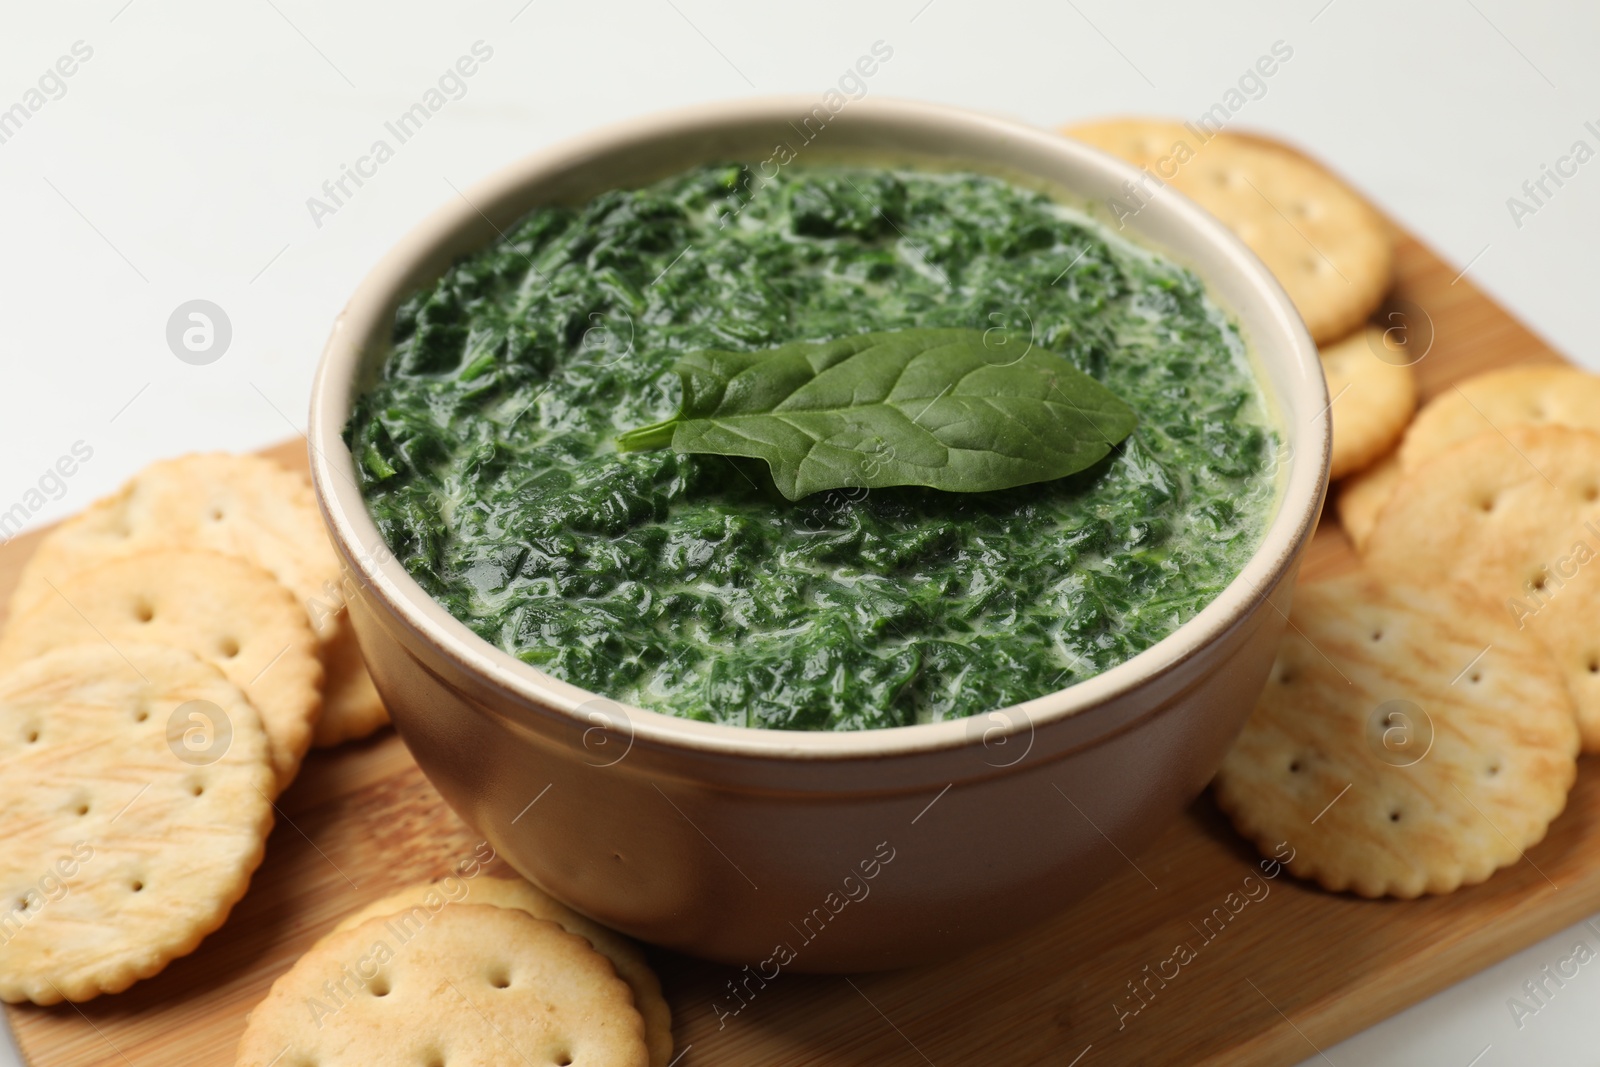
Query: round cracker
pixel 476 986
pixel 1144 142
pixel 419 902
pixel 224 610
pixel 1518 516
pixel 1327 247
pixel 244 506
pixel 1516 396
pixel 1371 401
pixel 1390 755
pixel 128 835
pixel 352 708
pixel 1362 496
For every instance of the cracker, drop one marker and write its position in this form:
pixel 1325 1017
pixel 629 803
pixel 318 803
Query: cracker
pixel 1144 142
pixel 1516 396
pixel 418 903
pixel 351 708
pixel 1389 754
pixel 245 506
pixel 1362 496
pixel 135 810
pixel 1371 401
pixel 476 985
pixel 224 610
pixel 1556 395
pixel 1516 515
pixel 1327 247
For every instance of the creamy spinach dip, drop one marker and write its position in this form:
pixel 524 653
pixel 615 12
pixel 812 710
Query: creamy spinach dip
pixel 686 583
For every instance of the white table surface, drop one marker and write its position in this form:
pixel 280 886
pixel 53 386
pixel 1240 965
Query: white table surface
pixel 177 163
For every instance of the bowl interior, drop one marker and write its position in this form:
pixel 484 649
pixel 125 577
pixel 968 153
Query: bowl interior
pixel 763 133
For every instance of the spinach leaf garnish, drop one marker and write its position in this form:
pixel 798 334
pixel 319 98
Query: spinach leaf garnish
pixel 940 408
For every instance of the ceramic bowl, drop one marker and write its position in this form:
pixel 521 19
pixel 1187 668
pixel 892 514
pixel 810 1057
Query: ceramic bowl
pixel 820 851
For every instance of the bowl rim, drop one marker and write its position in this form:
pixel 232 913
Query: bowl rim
pixel 378 573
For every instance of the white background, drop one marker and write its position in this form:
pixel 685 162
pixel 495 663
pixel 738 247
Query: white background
pixel 178 163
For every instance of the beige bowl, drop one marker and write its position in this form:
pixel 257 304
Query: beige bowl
pixel 818 851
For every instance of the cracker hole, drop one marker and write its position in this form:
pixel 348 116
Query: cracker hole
pixel 1493 769
pixel 432 1058
pixel 1304 208
pixel 229 647
pixel 216 514
pixel 143 611
pixel 1475 677
pixel 1394 816
pixel 196 788
pixel 563 1059
pixel 141 714
pixel 1593 665
pixel 1486 504
pixel 1538 582
pixel 136 885
pixel 500 978
pixel 82 809
pixel 617 856
pixel 1591 492
pixel 1294 767
pixel 1377 635
pixel 379 986
pixel 31 737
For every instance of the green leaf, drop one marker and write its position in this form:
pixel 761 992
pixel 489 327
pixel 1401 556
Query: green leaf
pixel 952 409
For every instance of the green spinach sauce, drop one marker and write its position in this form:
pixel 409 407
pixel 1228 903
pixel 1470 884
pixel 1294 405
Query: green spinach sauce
pixel 686 583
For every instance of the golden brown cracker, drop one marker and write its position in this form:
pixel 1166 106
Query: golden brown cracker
pixel 1362 496
pixel 1371 400
pixel 1516 516
pixel 1501 399
pixel 476 986
pixel 224 610
pixel 244 506
pixel 416 904
pixel 352 708
pixel 1326 246
pixel 1144 142
pixel 1410 740
pixel 133 793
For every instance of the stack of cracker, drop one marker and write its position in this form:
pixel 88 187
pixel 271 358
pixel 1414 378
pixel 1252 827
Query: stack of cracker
pixel 479 972
pixel 1421 725
pixel 1463 710
pixel 170 655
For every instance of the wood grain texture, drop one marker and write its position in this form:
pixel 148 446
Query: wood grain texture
pixel 1298 970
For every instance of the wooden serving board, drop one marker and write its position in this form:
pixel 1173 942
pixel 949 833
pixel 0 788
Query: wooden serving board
pixel 1292 973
